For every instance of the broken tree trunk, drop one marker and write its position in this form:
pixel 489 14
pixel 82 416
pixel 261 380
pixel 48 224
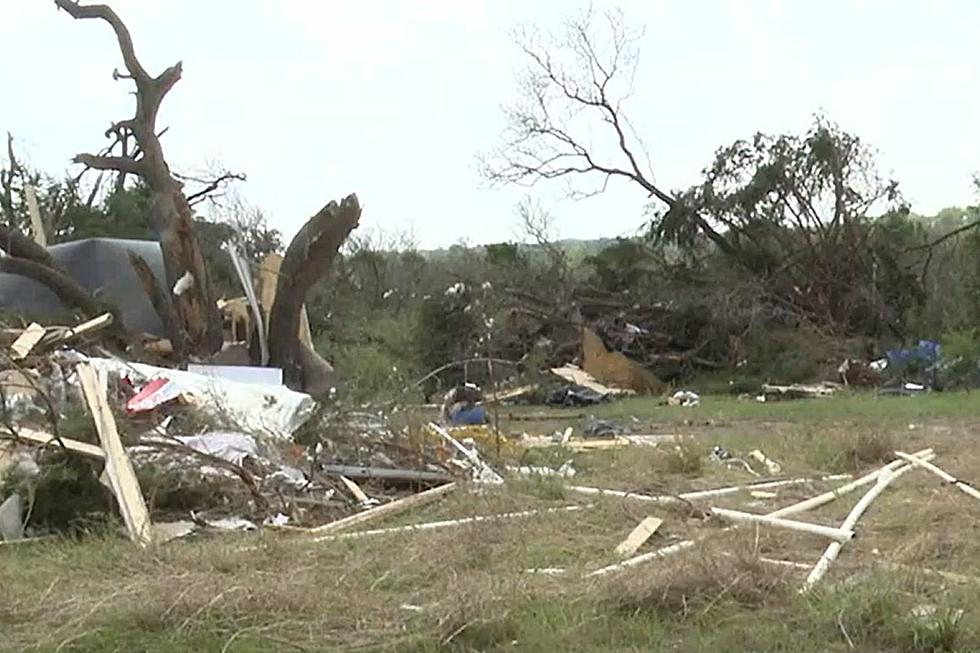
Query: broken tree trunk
pixel 307 259
pixel 197 314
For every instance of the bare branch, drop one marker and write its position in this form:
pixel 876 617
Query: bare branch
pixel 578 76
pixel 119 163
pixel 210 185
pixel 104 12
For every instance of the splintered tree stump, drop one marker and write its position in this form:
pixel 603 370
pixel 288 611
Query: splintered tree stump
pixel 197 317
pixel 307 259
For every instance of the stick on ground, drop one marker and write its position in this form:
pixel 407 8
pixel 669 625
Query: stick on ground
pixel 388 509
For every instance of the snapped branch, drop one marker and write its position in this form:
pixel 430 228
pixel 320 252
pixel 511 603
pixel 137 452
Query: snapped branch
pixel 119 163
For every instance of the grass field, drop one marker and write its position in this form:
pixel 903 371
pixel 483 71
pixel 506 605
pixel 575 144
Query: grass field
pixel 471 588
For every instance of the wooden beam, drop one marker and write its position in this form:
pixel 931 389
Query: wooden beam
pixel 639 536
pixel 387 510
pixel 118 467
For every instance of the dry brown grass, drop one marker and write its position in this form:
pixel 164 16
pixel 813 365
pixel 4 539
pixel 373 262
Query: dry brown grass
pixel 468 588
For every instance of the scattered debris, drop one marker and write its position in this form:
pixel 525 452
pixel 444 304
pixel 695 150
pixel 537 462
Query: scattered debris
pixel 772 467
pixel 800 391
pixel 684 398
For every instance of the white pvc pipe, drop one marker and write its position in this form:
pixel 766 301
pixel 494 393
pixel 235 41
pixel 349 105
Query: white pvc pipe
pixel 966 488
pixel 827 497
pixel 836 534
pixel 449 523
pixel 832 551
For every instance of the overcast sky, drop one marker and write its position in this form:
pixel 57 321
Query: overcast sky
pixel 394 99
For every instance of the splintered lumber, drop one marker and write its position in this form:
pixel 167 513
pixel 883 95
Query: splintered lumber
pixel 450 523
pixel 388 509
pixel 46 439
pixel 640 559
pixel 95 324
pixel 355 491
pixel 963 486
pixel 833 549
pixel 639 536
pixel 37 226
pixel 836 534
pixel 118 467
pixel 27 340
pixel 827 497
pixel 772 467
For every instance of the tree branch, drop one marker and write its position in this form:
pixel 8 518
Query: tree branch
pixel 119 163
pixel 104 12
pixel 210 185
pixel 14 243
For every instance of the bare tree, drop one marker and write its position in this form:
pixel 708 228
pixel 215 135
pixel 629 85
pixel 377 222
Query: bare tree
pixel 572 91
pixel 197 314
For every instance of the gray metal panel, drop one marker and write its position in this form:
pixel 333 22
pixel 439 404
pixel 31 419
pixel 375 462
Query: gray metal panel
pixel 100 265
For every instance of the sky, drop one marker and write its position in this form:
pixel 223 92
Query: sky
pixel 395 99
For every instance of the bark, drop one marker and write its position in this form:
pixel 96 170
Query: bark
pixel 17 244
pixel 161 304
pixel 307 259
pixel 198 320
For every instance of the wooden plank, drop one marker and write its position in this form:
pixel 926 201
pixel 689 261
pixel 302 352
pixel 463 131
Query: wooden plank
pixel 37 226
pixel 387 510
pixel 639 536
pixel 27 340
pixel 118 467
pixel 46 439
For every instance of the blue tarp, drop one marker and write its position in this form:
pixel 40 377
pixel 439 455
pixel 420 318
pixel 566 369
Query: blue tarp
pixel 924 353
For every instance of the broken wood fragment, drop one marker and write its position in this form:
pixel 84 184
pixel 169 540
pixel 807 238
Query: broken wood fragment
pixel 963 486
pixel 27 341
pixel 118 467
pixel 836 534
pixel 386 510
pixel 37 226
pixel 356 491
pixel 307 259
pixel 662 552
pixel 46 439
pixel 639 535
pixel 772 467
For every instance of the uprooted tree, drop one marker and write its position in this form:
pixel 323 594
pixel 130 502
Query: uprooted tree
pixel 798 215
pixel 185 300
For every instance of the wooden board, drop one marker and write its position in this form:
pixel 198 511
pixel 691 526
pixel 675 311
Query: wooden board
pixel 387 510
pixel 27 340
pixel 118 467
pixel 46 439
pixel 37 226
pixel 639 536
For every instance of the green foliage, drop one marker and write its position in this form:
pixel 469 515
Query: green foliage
pixel 961 358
